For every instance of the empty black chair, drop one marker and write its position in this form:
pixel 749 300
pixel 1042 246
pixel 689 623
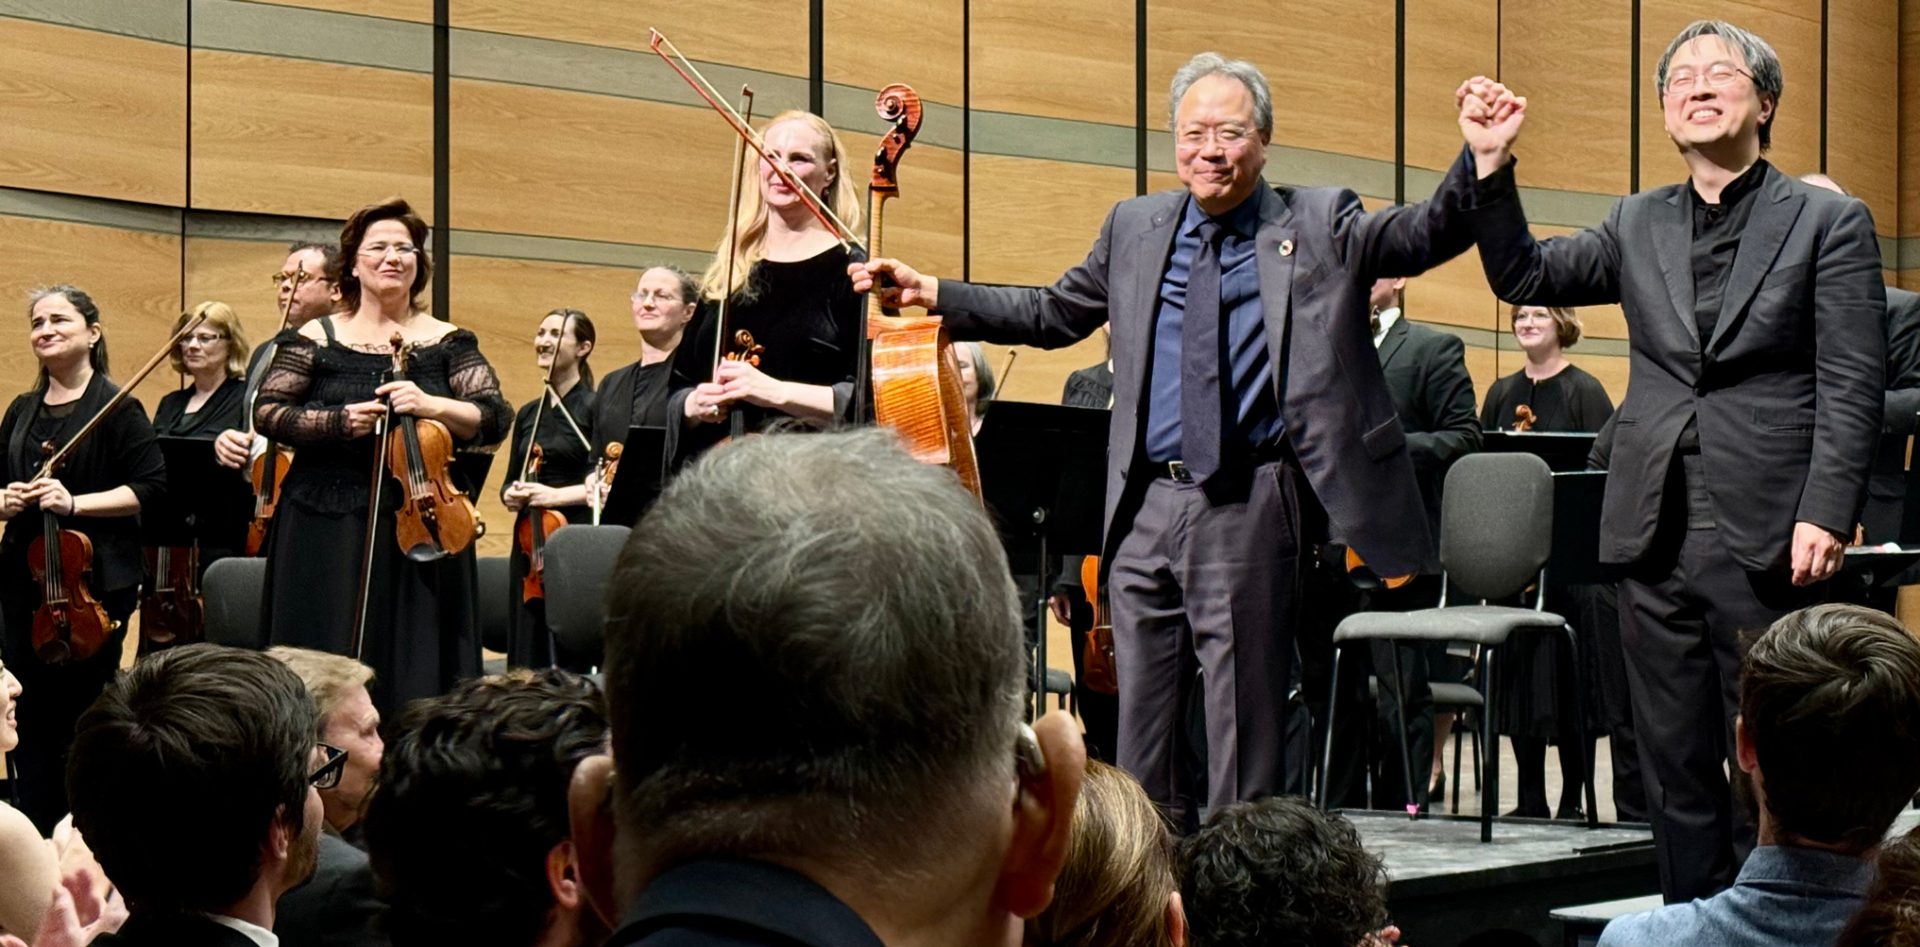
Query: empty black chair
pixel 231 590
pixel 498 599
pixel 579 564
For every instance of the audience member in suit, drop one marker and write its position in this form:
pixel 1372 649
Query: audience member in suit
pixel 193 780
pixel 1281 871
pixel 348 720
pixel 337 907
pixel 1116 888
pixel 1548 395
pixel 1826 731
pixel 1755 309
pixel 1887 485
pixel 867 779
pixel 473 801
pixel 1891 916
pixel 1090 387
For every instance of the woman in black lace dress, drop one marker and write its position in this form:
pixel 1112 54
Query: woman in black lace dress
pixel 322 396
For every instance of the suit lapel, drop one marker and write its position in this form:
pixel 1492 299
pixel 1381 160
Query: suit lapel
pixel 1153 247
pixel 1775 208
pixel 1673 244
pixel 1276 247
pixel 1396 336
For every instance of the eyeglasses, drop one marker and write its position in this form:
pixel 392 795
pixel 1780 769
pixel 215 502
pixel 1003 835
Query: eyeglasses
pixel 1228 136
pixel 376 251
pixel 284 277
pixel 328 775
pixel 204 338
pixel 663 295
pixel 1717 76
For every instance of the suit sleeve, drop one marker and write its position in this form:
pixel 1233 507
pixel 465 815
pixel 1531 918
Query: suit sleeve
pixel 1849 364
pixel 1581 269
pixel 1903 362
pixel 1047 317
pixel 1411 239
pixel 1449 393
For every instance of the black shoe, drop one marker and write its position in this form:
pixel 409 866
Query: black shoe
pixel 1528 812
pixel 1438 791
pixel 1571 813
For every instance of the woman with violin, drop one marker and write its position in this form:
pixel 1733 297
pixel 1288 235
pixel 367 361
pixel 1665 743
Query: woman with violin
pixel 663 303
pixel 794 325
pixel 213 359
pixel 1549 394
pixel 546 486
pixel 70 557
pixel 338 578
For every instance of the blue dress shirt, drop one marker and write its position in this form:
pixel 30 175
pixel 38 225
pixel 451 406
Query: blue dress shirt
pixel 1785 896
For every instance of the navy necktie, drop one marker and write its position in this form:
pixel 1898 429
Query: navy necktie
pixel 1202 395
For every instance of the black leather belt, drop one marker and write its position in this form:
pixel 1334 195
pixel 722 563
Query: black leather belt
pixel 1177 471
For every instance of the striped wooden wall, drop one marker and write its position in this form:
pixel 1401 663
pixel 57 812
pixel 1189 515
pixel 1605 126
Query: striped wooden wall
pixel 164 152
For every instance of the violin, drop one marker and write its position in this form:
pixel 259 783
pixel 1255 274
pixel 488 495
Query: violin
pixel 1523 419
pixel 436 518
pixel 70 624
pixel 1098 669
pixel 531 533
pixel 604 470
pixel 172 611
pixel 266 472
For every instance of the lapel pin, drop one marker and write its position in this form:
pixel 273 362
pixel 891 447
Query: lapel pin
pixel 1286 248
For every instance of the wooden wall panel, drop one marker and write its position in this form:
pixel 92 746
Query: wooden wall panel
pixel 1570 58
pixel 92 113
pixel 759 34
pixel 1065 59
pixel 1791 27
pixel 1909 124
pixel 335 137
pixel 1330 63
pixel 1863 121
pixel 418 11
pixel 855 54
pixel 573 164
pixel 1610 369
pixel 133 276
pixel 235 272
pixel 923 223
pixel 503 301
pixel 1448 42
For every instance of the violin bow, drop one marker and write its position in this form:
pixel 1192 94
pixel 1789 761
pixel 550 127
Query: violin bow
pixel 380 426
pixel 733 229
pixel 546 391
pixel 566 415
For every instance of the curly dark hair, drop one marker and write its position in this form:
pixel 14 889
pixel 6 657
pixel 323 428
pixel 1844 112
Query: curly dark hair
pixel 1279 871
pixel 472 797
pixel 1891 916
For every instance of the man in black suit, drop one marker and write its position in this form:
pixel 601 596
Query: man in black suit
pixel 1246 393
pixel 193 781
pixel 472 799
pixel 863 776
pixel 1740 456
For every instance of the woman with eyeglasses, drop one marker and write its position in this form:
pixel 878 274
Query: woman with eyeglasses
pixel 789 292
pixel 99 492
pixel 323 395
pixel 561 348
pixel 1552 395
pixel 663 304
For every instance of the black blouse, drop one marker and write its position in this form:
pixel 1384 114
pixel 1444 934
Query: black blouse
pixel 566 459
pixel 220 412
pixel 1570 401
pixel 120 452
pixel 631 396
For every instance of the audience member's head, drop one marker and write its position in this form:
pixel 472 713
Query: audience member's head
pixel 1116 888
pixel 1830 726
pixel 1279 871
pixel 347 719
pixel 870 646
pixel 1891 916
pixel 191 778
pixel 472 800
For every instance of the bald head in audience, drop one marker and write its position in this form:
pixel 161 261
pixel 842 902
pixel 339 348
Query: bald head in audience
pixel 816 673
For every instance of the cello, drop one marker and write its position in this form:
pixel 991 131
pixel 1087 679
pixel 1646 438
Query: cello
pixel 910 368
pixel 70 624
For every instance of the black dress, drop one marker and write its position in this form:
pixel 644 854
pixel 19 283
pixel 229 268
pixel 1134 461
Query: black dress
pixel 422 632
pixel 808 323
pixel 223 410
pixel 1569 401
pixel 120 452
pixel 565 462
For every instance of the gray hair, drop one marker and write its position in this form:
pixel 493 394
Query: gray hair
pixel 689 286
pixel 813 649
pixel 1214 64
pixel 1761 61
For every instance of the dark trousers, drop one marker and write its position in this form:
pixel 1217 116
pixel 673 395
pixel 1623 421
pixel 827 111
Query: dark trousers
pixel 1687 614
pixel 1208 579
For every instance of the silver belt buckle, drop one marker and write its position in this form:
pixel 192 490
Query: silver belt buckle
pixel 1177 470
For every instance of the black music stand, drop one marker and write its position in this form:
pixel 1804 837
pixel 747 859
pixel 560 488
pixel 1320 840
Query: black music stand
pixel 641 477
pixel 206 504
pixel 1043 473
pixel 1866 572
pixel 1563 452
pixel 1575 555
